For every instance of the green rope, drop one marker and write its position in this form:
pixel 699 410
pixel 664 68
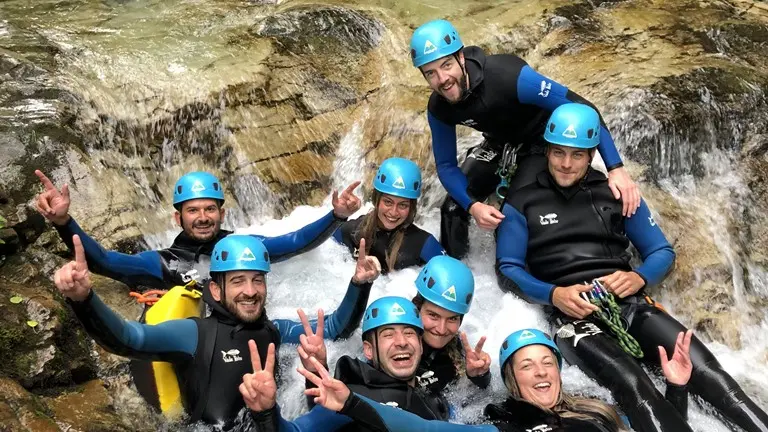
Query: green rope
pixel 610 314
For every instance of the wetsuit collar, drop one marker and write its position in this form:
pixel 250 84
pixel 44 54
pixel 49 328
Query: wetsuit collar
pixel 354 371
pixel 516 408
pixel 474 63
pixel 185 242
pixel 593 176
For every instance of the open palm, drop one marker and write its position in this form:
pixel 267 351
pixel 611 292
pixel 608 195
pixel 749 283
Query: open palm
pixel 678 369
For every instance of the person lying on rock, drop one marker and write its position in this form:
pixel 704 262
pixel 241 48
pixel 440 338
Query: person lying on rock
pixel 388 229
pixel 392 346
pixel 563 243
pixel 530 367
pixel 503 97
pixel 198 198
pixel 211 355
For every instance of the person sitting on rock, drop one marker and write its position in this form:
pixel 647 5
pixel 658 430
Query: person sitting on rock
pixel 567 228
pixel 198 198
pixel 392 346
pixel 503 97
pixel 211 355
pixel 530 367
pixel 388 229
pixel 445 291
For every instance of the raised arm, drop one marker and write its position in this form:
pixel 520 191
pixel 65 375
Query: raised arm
pixel 171 341
pixel 310 236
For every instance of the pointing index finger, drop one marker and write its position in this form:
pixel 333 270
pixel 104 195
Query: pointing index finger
pixel 361 251
pixel 270 366
pixel 320 324
pixel 304 322
pixel 255 358
pixel 47 183
pixel 352 187
pixel 479 346
pixel 82 264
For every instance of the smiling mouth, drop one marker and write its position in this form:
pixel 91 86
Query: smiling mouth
pixel 542 387
pixel 402 359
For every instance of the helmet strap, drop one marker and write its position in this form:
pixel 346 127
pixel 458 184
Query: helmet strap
pixel 464 81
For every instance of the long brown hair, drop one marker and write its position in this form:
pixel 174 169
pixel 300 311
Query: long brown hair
pixel 370 226
pixel 569 406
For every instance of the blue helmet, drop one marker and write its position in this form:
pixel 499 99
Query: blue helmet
pixel 434 40
pixel 391 310
pixel 399 177
pixel 448 283
pixel 196 185
pixel 523 338
pixel 574 125
pixel 239 252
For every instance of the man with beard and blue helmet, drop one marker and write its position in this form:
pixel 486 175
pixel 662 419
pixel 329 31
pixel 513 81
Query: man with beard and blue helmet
pixel 210 355
pixel 198 198
pixel 503 97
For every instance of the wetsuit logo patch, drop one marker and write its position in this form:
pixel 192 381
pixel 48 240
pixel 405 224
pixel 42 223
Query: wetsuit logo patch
pixel 578 331
pixel 450 294
pixel 397 310
pixel 526 335
pixel 468 122
pixel 651 221
pixel 570 132
pixel 545 88
pixel 540 428
pixel 399 183
pixel 247 255
pixel 429 47
pixel 232 355
pixel 426 379
pixel 548 219
pixel 198 186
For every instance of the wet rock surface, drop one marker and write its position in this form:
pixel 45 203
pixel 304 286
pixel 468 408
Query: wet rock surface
pixel 263 94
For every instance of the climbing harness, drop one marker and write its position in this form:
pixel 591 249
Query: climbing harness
pixel 609 313
pixel 507 168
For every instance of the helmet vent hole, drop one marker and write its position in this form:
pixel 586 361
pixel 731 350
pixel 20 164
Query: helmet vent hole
pixel 216 186
pixel 505 345
pixel 447 39
pixel 383 178
pixel 224 255
pixel 590 133
pixel 178 189
pixel 266 256
pixel 375 312
pixel 415 185
pixel 469 299
pixel 552 127
pixel 431 283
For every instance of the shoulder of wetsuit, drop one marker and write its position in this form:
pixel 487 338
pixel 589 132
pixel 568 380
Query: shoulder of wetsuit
pixel 513 409
pixel 520 197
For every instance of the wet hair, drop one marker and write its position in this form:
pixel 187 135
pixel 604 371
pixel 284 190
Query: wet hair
pixel 370 226
pixel 453 347
pixel 568 406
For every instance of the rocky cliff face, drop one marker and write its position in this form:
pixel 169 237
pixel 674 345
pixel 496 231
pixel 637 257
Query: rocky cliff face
pixel 263 94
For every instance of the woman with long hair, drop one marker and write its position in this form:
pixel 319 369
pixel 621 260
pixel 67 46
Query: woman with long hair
pixel 389 232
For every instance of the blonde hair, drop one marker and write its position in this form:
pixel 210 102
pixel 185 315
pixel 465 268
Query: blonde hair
pixel 568 406
pixel 370 226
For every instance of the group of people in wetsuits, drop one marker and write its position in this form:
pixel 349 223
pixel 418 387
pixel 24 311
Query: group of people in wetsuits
pixel 562 238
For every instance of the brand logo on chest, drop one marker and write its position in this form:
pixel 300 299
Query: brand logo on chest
pixel 548 219
pixel 232 355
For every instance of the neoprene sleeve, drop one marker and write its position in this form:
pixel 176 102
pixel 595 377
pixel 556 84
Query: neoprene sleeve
pixel 511 250
pixel 340 324
pixel 169 341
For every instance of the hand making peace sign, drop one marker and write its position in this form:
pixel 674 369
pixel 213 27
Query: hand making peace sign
pixel 259 388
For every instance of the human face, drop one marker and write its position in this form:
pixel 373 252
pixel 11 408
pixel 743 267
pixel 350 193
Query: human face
pixel 446 77
pixel 200 218
pixel 440 325
pixel 246 291
pixel 398 350
pixel 392 211
pixel 537 375
pixel 568 165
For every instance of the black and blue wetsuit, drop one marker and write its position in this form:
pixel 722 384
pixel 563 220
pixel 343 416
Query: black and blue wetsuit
pixel 510 103
pixel 210 355
pixel 365 380
pixel 438 368
pixel 418 245
pixel 187 258
pixel 553 236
